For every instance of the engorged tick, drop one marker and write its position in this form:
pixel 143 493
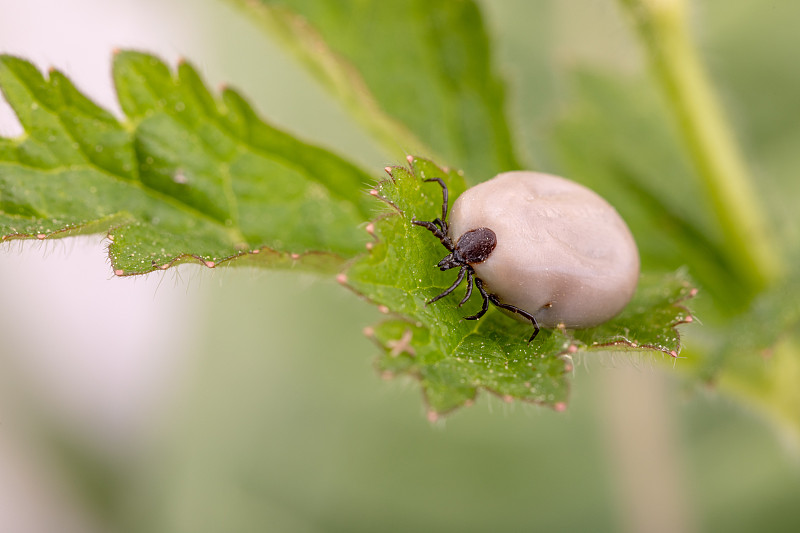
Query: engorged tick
pixel 473 247
pixel 544 248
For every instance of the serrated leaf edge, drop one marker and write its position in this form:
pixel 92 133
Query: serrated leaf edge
pixel 125 218
pixel 625 343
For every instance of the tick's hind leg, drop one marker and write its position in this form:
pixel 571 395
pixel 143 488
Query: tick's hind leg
pixel 469 288
pixel 518 311
pixel 444 199
pixel 485 306
pixel 459 279
pixel 437 231
pixel 441 224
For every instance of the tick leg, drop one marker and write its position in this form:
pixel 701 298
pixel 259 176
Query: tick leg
pixel 485 306
pixel 430 226
pixel 469 288
pixel 452 287
pixel 519 311
pixel 444 198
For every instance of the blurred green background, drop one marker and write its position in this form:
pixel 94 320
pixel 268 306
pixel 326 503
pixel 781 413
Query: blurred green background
pixel 259 409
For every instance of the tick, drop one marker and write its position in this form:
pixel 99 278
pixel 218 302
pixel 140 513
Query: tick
pixel 543 248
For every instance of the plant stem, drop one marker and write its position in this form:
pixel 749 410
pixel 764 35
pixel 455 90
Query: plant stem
pixel 662 27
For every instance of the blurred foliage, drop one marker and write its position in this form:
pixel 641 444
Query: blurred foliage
pixel 270 437
pixel 418 74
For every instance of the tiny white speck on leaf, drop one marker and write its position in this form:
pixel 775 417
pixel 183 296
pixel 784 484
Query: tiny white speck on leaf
pixel 180 177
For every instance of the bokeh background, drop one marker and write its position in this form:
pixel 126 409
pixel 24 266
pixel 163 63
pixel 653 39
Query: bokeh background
pixel 240 400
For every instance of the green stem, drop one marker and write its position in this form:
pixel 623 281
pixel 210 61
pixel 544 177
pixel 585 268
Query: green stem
pixel 662 27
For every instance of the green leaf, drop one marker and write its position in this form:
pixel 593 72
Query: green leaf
pixel 417 73
pixel 750 339
pixel 188 177
pixel 454 358
pixel 759 356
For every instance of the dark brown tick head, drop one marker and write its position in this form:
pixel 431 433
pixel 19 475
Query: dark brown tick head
pixel 475 246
